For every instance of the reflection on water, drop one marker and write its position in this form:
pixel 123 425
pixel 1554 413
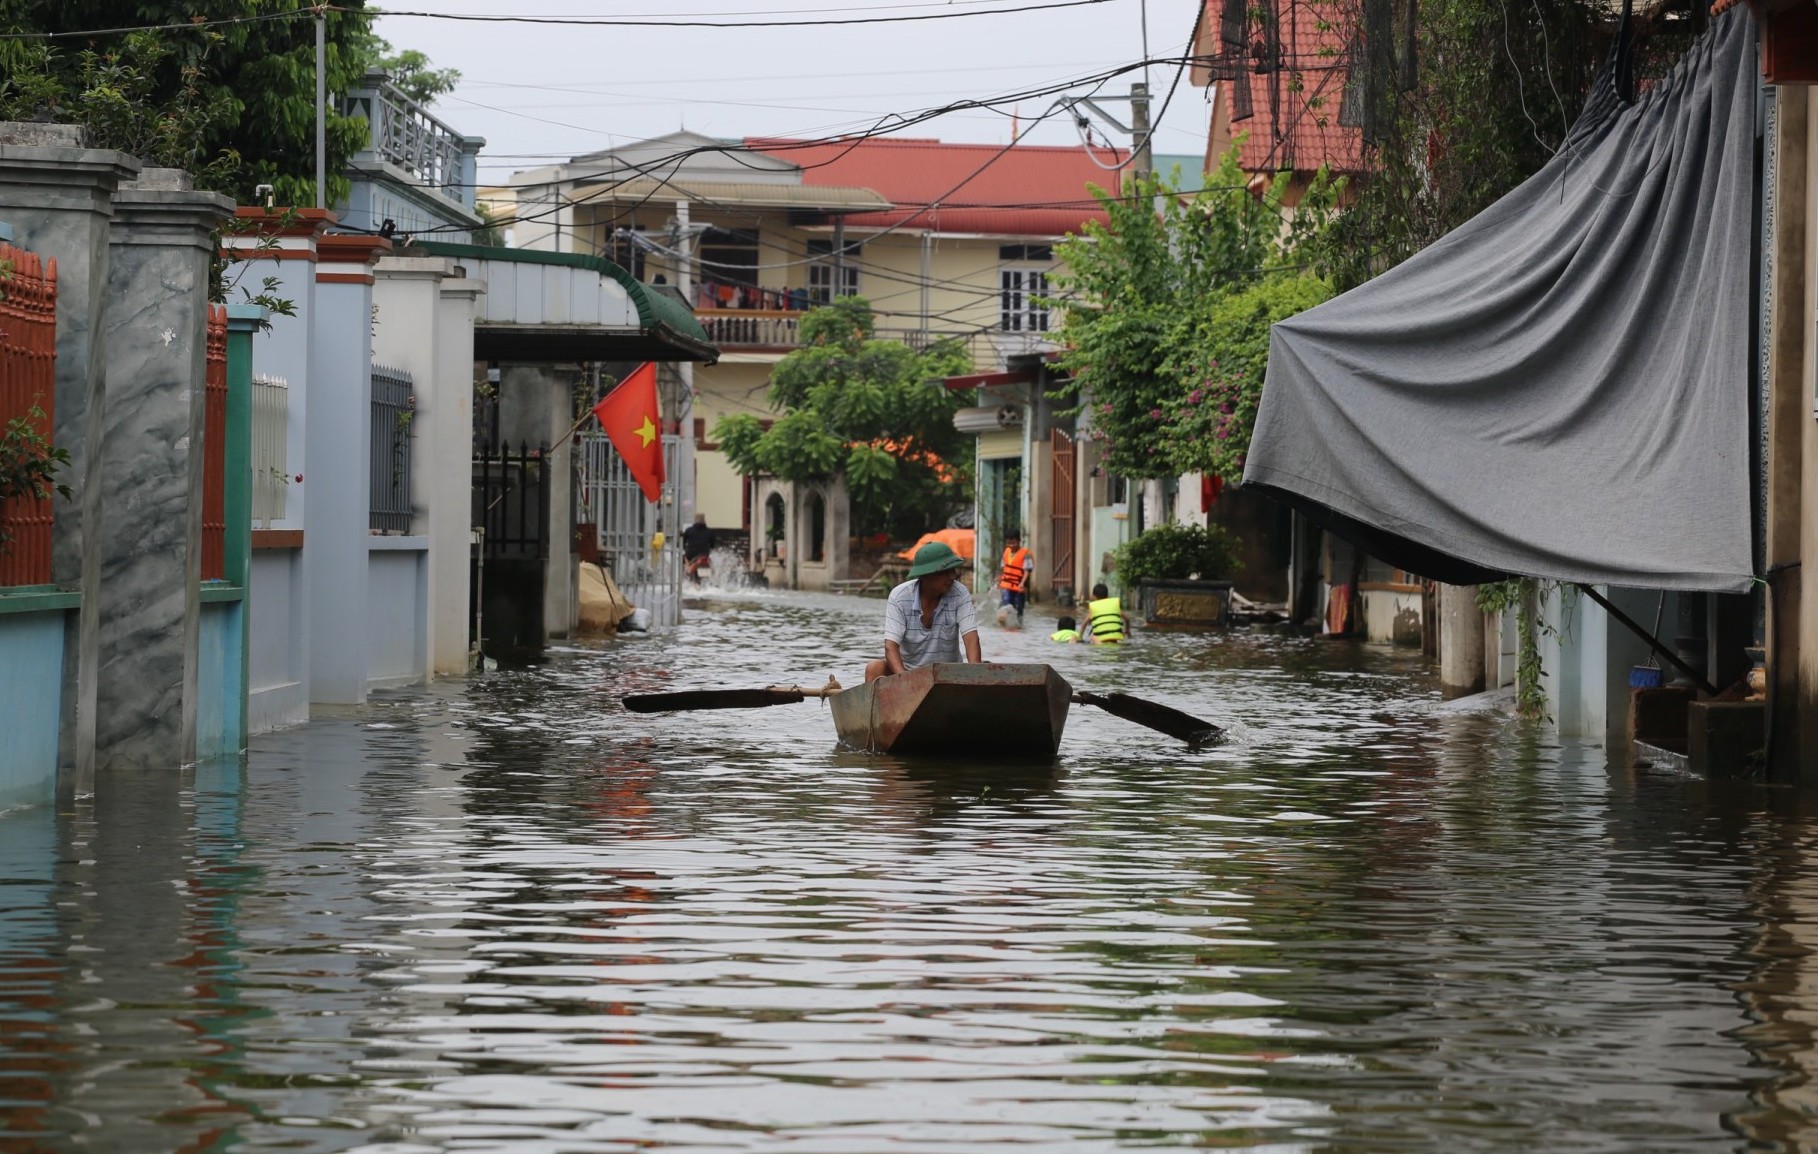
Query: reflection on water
pixel 506 915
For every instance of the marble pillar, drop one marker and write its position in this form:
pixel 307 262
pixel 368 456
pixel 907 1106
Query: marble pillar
pixel 57 196
pixel 151 567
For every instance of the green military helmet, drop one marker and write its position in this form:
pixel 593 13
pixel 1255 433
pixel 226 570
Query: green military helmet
pixel 934 557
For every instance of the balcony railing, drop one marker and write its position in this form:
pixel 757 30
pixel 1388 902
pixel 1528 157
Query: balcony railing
pixel 750 328
pixel 404 133
pixel 776 330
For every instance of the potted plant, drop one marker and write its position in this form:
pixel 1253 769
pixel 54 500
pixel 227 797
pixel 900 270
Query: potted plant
pixel 1181 575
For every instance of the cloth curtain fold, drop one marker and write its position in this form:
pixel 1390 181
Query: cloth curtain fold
pixel 1560 387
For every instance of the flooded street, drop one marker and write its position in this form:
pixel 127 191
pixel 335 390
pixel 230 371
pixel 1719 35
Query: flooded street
pixel 505 915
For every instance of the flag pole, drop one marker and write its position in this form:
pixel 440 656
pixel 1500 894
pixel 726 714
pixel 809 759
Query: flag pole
pixel 572 430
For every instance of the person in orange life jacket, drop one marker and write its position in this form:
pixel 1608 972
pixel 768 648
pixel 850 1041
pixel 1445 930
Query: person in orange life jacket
pixel 1106 622
pixel 1014 580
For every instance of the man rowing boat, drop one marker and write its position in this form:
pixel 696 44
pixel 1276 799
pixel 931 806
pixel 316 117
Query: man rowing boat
pixel 928 618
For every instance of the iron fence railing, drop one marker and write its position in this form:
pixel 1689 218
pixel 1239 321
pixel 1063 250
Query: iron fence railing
pixel 393 409
pixel 214 447
pixel 648 573
pixel 270 450
pixel 28 387
pixel 511 502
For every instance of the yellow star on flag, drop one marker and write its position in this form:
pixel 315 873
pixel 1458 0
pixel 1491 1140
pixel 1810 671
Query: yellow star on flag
pixel 646 432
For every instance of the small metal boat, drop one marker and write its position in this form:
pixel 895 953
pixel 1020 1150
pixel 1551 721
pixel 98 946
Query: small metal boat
pixel 1003 711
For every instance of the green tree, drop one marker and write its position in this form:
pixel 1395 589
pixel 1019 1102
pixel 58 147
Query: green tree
pixel 233 102
pixel 411 71
pixel 1167 309
pixel 1219 363
pixel 864 409
pixel 1493 91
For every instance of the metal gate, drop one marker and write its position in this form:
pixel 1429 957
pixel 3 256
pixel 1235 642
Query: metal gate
pixel 1061 496
pixel 609 499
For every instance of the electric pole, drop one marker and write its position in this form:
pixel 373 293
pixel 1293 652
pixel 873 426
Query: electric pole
pixel 1142 160
pixel 321 109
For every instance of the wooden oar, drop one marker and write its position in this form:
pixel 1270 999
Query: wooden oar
pixel 1161 718
pixel 723 698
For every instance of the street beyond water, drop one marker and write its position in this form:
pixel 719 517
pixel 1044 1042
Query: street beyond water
pixel 505 915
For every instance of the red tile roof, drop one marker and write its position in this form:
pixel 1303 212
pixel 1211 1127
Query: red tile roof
pixel 1027 190
pixel 1290 130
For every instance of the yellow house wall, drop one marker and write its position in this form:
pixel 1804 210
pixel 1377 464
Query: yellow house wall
pixel 961 299
pixel 962 271
pixel 722 390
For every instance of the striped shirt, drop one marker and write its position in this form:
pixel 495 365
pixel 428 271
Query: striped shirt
pixel 953 618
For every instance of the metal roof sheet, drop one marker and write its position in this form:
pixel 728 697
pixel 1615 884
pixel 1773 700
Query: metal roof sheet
pixel 746 195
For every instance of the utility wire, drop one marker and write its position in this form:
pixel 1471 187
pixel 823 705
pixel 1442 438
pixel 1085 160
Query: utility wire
pixel 883 127
pixel 262 18
pixel 678 22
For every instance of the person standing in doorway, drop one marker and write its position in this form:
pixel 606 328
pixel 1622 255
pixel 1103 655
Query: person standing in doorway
pixel 928 618
pixel 1018 565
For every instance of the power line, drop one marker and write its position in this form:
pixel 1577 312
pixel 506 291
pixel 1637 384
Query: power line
pixel 262 18
pixel 678 22
pixel 884 126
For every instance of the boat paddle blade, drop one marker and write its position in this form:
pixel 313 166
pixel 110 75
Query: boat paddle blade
pixel 1161 718
pixel 710 699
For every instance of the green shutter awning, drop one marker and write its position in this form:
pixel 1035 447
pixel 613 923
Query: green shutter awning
pixel 667 329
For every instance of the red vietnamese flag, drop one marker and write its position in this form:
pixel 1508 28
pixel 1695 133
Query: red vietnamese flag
pixel 629 415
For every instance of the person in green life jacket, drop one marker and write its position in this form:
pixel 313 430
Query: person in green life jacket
pixel 1068 630
pixel 1106 623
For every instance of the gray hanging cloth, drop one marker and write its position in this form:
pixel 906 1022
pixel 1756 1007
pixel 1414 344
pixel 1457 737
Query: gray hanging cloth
pixel 1559 388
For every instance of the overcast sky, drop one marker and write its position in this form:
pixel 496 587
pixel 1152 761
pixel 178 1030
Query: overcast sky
pixel 541 92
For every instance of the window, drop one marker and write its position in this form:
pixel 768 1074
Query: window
pixel 1019 307
pixel 730 255
pixel 1011 252
pixel 825 272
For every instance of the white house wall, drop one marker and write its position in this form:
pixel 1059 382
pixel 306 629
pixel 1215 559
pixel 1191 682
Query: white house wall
pixel 407 312
pixel 448 472
pixel 277 604
pixel 339 475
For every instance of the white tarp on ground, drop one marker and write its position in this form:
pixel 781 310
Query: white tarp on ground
pixel 1560 387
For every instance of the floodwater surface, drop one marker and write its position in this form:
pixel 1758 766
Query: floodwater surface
pixel 506 915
